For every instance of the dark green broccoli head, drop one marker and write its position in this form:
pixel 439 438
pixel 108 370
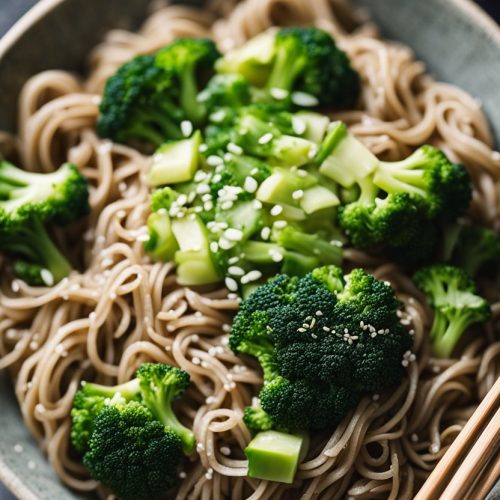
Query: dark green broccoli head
pixel 390 221
pixel 352 336
pixel 191 61
pixel 452 294
pixel 132 453
pixel 139 104
pixel 257 420
pixel 308 60
pixel 61 196
pixel 326 338
pixel 160 386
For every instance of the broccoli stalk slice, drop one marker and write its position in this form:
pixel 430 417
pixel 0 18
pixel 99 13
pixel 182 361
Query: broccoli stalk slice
pixel 194 109
pixel 309 244
pixel 152 126
pixel 275 456
pixel 34 244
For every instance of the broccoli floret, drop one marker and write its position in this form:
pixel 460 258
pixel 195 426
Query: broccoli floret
pixel 322 339
pixel 302 59
pixel 138 104
pixel 225 91
pixel 452 295
pixel 394 208
pixel 132 453
pixel 160 386
pixel 191 60
pixel 41 262
pixel 61 195
pixel 472 247
pixel 147 98
pixel 257 420
pixel 429 175
pixel 162 198
pixel 129 435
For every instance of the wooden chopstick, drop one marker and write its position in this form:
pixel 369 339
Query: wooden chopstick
pixel 484 448
pixel 443 471
pixel 486 481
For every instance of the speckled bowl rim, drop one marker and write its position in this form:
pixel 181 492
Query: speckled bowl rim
pixel 8 477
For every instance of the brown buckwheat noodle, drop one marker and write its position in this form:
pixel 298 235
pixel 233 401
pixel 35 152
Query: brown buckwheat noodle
pixel 122 309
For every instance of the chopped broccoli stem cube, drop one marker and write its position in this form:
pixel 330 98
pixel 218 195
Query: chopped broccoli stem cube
pixel 175 161
pixel 318 198
pixel 275 456
pixel 162 244
pixel 316 125
pixel 279 188
pixel 343 158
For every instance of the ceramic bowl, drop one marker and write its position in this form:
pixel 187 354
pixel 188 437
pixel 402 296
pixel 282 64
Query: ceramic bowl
pixel 457 40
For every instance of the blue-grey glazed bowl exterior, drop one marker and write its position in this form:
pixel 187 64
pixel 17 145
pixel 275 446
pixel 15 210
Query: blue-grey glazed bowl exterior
pixel 458 42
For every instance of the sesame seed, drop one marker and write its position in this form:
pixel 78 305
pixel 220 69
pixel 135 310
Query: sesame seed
pixel 414 438
pixel 236 270
pixel 186 128
pixel 376 397
pixel 256 204
pixel 298 125
pixel 18 448
pixel 301 330
pixel 231 284
pixel 15 286
pixel 228 157
pixel 225 450
pixel 275 255
pixel 276 210
pixel 207 206
pixel 495 156
pixel 346 330
pixel 47 277
pixel 297 195
pixel 434 448
pixel 304 99
pixel 233 260
pixel 251 276
pixel 265 233
pixel 278 93
pixel 280 224
pixel 313 322
pixel 143 237
pixel 227 205
pixel 202 188
pixel 234 148
pixel 266 138
pixel 214 160
pixel 39 408
pixel 182 475
pixel 250 185
pixel 196 360
pixel 301 173
pixel 218 116
pixel 31 465
pixel 233 234
pixel 200 447
pixel 326 329
pixel 214 246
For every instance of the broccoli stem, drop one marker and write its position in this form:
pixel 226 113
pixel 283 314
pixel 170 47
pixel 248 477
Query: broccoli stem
pixel 162 409
pixel 334 136
pixel 195 111
pixel 128 390
pixel 287 66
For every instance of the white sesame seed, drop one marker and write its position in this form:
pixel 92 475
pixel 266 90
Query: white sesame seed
pixel 227 205
pixel 233 260
pixel 265 233
pixel 200 447
pixel 39 408
pixel 434 448
pixel 256 204
pixel 186 128
pixel 92 316
pixel 304 99
pixel 236 270
pixel 278 93
pixel 326 329
pixel 203 148
pixel 15 286
pixel 214 246
pixel 275 255
pixel 214 160
pixel 47 277
pixel 280 224
pixel 414 438
pixel 313 322
pixel 301 330
pixel 250 185
pixel 231 284
pixel 251 276
pixel 225 450
pixel 298 125
pixel 218 116
pixel 297 195
pixel 376 397
pixel 301 173
pixel 233 234
pixel 31 465
pixel 143 237
pixel 234 148
pixel 266 138
pixel 495 156
pixel 182 475
pixel 276 210
pixel 226 244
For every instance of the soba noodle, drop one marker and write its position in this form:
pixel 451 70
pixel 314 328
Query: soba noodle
pixel 122 309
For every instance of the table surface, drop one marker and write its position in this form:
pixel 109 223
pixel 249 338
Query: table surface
pixel 11 10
